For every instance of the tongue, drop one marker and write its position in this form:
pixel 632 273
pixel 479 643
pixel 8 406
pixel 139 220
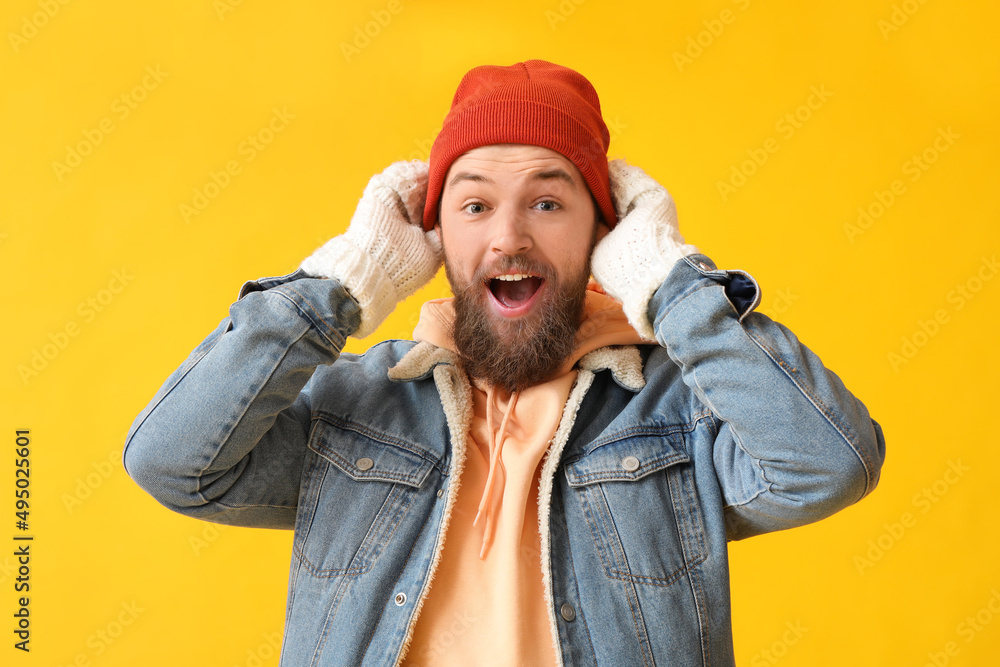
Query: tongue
pixel 513 293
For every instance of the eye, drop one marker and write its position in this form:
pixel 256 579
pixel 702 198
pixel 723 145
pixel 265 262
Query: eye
pixel 547 205
pixel 475 208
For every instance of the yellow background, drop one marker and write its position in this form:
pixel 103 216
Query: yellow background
pixel 118 580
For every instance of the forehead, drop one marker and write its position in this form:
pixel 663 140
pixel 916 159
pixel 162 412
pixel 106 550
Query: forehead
pixel 512 160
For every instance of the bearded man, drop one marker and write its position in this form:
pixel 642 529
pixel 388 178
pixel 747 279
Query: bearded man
pixel 549 473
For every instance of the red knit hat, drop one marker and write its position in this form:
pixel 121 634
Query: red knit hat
pixel 535 102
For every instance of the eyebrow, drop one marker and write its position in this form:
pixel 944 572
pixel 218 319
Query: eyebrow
pixel 549 174
pixel 468 176
pixel 560 174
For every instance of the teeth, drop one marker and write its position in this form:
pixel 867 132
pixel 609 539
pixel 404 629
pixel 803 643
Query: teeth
pixel 513 276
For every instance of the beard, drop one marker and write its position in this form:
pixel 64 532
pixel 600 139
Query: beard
pixel 523 352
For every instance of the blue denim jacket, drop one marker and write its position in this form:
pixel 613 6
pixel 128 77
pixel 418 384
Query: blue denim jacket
pixel 729 428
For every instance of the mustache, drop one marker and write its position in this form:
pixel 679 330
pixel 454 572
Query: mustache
pixel 513 264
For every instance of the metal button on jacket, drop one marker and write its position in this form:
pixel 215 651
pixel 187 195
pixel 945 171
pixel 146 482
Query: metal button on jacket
pixel 630 463
pixel 400 599
pixel 567 611
pixel 364 463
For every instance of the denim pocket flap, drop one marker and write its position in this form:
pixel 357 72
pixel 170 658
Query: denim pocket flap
pixel 624 460
pixel 367 456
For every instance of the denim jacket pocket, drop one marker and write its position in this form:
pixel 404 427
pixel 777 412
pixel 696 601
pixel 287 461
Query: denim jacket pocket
pixel 638 495
pixel 355 493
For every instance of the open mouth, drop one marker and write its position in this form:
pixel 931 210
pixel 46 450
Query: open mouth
pixel 514 291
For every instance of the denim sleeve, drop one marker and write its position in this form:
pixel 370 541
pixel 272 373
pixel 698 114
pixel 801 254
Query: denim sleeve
pixel 793 444
pixel 224 439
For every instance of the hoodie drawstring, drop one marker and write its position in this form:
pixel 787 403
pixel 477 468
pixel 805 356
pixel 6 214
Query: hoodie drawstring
pixel 496 444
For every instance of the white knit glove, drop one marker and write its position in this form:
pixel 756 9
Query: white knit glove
pixel 385 255
pixel 633 260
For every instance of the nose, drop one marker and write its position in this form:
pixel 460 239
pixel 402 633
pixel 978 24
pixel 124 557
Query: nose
pixel 511 235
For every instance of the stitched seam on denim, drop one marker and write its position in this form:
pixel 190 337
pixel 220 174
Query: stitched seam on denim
pixel 631 432
pixel 377 476
pixel 686 294
pixel 643 471
pixel 671 578
pixel 340 588
pixel 758 470
pixel 739 443
pixel 687 517
pixel 611 570
pixel 387 513
pixel 309 501
pixel 308 469
pixel 690 531
pixel 193 362
pixel 244 507
pixel 674 577
pixel 822 408
pixel 299 544
pixel 642 430
pixel 313 316
pixel 630 592
pixel 377 436
pixel 239 419
pixel 613 539
pixel 592 524
pixel 571 577
pixel 625 581
pixel 153 408
pixel 330 615
pixel 698 593
pixel 376 539
pixel 409 554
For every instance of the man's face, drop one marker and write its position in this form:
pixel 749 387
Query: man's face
pixel 518 226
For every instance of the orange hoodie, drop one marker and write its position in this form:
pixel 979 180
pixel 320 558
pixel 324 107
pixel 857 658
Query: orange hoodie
pixel 486 605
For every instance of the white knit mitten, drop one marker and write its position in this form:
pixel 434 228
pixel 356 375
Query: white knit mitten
pixel 385 255
pixel 633 260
